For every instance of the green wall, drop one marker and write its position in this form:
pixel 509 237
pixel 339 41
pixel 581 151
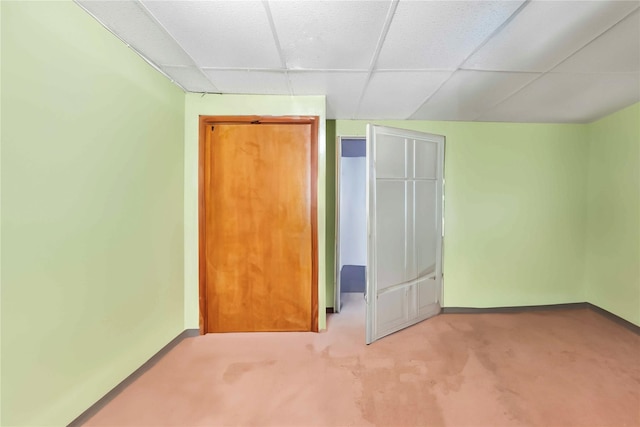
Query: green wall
pixel 0 214
pixel 515 199
pixel 92 217
pixel 98 175
pixel 612 270
pixel 331 213
pixel 265 105
pixel 539 213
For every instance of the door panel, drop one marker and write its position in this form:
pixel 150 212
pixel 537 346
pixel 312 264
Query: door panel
pixel 258 239
pixel 404 279
pixel 426 232
pixel 394 165
pixel 391 257
pixel 393 309
pixel 427 294
pixel 426 159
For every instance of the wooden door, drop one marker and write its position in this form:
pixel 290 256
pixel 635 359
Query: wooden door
pixel 258 225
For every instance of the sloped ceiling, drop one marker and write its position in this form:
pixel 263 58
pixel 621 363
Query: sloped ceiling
pixel 506 61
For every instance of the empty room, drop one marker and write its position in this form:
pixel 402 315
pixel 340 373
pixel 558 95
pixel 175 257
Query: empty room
pixel 320 213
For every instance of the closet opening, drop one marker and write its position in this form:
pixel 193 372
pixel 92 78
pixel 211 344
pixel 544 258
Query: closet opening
pixel 351 219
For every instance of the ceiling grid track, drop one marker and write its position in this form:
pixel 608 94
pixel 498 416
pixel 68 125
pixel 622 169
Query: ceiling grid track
pixel 527 61
pixel 374 59
pixel 480 46
pixel 628 16
pixel 147 60
pixel 153 19
pixel 544 73
pixel 276 39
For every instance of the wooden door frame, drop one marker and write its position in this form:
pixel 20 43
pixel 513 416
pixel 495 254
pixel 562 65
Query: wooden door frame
pixel 257 120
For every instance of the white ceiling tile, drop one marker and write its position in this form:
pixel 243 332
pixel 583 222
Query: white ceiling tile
pixel 569 97
pixel 467 94
pixel 220 34
pixel 546 32
pixel 328 34
pixel 331 43
pixel 617 50
pixel 190 78
pixel 440 34
pixel 342 89
pixel 249 81
pixel 128 20
pixel 397 94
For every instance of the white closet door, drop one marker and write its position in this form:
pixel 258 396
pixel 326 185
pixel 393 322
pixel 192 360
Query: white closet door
pixel 404 199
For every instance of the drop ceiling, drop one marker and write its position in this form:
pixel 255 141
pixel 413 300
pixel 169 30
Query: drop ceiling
pixel 506 61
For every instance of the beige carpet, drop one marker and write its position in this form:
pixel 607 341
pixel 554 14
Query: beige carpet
pixel 549 368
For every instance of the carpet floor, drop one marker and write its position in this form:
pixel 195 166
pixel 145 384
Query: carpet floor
pixel 569 367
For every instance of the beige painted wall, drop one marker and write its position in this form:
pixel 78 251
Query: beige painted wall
pixel 209 105
pixel 92 217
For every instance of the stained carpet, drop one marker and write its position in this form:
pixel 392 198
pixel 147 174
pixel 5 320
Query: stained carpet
pixel 548 368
